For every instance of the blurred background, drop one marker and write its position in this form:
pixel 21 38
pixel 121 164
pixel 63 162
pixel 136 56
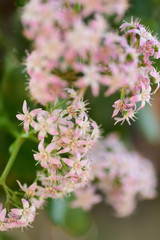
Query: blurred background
pixel 57 221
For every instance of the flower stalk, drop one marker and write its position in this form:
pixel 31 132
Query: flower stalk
pixel 17 146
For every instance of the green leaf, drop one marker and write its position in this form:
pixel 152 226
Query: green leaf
pixel 57 210
pixel 73 220
pixel 77 221
pixel 149 124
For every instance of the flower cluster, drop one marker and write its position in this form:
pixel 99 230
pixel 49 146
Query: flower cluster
pixel 66 136
pixel 138 89
pixel 70 45
pixel 73 45
pixel 122 176
pixel 17 217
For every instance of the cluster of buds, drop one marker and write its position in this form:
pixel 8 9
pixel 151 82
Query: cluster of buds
pixel 121 175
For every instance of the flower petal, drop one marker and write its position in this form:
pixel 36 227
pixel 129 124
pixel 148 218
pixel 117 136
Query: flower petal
pixel 25 110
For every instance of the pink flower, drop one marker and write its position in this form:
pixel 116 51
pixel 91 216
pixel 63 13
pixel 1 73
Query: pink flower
pixel 27 117
pixel 45 155
pixel 130 114
pixel 119 105
pixel 27 214
pixel 29 191
pixel 86 198
pixel 45 125
pixel 91 78
pixel 144 97
pixel 76 165
pixel 49 88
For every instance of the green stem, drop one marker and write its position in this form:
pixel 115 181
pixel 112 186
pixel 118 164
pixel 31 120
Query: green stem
pixel 59 105
pixel 77 8
pixel 122 93
pixel 64 166
pixel 30 136
pixel 17 146
pixel 38 177
pixel 47 106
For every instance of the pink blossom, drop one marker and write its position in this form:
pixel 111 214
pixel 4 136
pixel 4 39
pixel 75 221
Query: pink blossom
pixel 123 176
pixel 130 114
pixel 29 191
pixel 70 132
pixel 45 125
pixel 91 78
pixel 27 214
pixel 86 198
pixel 27 117
pixel 44 156
pixel 76 165
pixel 144 97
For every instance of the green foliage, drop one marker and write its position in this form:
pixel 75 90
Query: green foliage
pixel 73 220
pixel 149 125
pixel 20 3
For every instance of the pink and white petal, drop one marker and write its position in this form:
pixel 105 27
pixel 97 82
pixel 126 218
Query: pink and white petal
pixel 44 165
pixel 95 90
pixel 50 147
pixel 96 199
pixel 53 131
pixel 26 127
pixel 20 117
pixel 2 215
pixel 70 124
pixel 59 188
pixel 41 115
pixel 41 135
pixel 36 156
pixel 25 110
pixel 33 124
pixel 21 186
pixel 50 120
pixel 142 105
pixel 54 161
pixel 25 203
pixel 41 145
pixel 77 133
pixel 67 149
pixel 17 211
pixel 33 187
pixel 70 174
pixel 32 209
pixel 68 161
pixel 66 140
pixel 79 122
pixel 35 112
pixel 84 163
